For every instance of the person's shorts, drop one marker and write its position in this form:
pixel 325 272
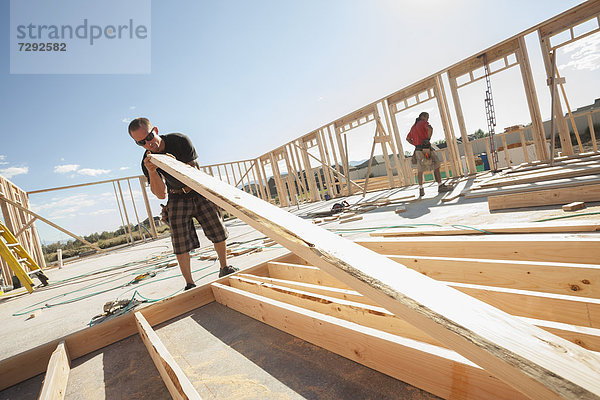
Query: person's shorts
pixel 181 209
pixel 425 163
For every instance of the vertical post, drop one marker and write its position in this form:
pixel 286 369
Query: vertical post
pixel 506 156
pixel 537 127
pixel 327 160
pixel 406 174
pixel 308 171
pixel 125 212
pixel 119 205
pixel 343 156
pixel 264 172
pixel 448 131
pixel 297 172
pixel 524 145
pixel 563 129
pixel 326 172
pixel 347 165
pixel 148 210
pixel 393 147
pixel 281 190
pixel 468 147
pixel 59 256
pixel 293 189
pixel 337 165
pixel 592 133
pixel 137 218
pixel 379 131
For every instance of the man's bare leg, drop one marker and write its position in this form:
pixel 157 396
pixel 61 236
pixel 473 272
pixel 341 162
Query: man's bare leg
pixel 221 249
pixel 184 265
pixel 437 175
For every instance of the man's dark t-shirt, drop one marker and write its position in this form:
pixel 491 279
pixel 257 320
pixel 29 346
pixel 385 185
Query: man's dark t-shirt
pixel 180 146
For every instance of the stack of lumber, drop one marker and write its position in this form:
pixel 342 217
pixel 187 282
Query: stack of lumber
pixel 567 180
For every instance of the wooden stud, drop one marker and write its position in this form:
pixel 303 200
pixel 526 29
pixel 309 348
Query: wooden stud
pixel 54 386
pixel 559 248
pixel 592 133
pixel 563 129
pixel 175 380
pixel 537 127
pixel 148 209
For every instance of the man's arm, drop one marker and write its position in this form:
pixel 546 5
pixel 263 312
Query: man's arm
pixel 429 131
pixel 157 185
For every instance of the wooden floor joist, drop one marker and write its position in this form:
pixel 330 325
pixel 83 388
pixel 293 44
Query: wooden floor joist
pixel 537 363
pixel 485 229
pixel 175 380
pixel 57 374
pixel 560 278
pixel 587 193
pixel 438 370
pixel 580 249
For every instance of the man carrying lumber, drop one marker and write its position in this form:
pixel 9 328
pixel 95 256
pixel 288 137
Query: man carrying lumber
pixel 184 204
pixel 424 157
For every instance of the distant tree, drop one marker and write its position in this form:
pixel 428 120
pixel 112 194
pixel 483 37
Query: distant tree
pixel 480 134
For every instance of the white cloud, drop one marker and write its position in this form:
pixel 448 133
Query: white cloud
pixel 102 212
pixel 584 54
pixel 132 107
pixel 93 172
pixel 13 171
pixel 63 169
pixel 123 168
pixel 2 157
pixel 126 120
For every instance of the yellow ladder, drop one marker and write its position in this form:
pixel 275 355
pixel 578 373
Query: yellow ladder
pixel 18 258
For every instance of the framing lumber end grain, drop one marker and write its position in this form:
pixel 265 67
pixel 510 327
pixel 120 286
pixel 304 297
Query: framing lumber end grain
pixel 175 380
pixel 576 205
pixel 57 374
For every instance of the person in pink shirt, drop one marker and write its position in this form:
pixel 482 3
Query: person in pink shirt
pixel 424 157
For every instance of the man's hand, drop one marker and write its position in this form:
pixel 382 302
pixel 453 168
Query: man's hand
pixel 150 166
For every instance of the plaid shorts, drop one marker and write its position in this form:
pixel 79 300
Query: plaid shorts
pixel 181 209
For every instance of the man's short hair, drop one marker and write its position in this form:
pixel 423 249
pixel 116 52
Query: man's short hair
pixel 137 123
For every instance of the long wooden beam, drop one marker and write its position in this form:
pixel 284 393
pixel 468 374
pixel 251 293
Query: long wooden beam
pixel 175 380
pixel 583 249
pixel 487 229
pixel 57 375
pixel 545 197
pixel 539 364
pixel 437 370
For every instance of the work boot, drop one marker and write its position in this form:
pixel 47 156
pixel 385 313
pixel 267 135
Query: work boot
pixel 421 192
pixel 189 286
pixel 227 270
pixel 443 188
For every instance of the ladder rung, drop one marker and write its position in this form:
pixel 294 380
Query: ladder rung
pixel 20 260
pixel 12 245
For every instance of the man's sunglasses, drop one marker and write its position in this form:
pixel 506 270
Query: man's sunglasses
pixel 146 139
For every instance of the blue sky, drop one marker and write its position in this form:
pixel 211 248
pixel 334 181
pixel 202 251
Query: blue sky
pixel 243 77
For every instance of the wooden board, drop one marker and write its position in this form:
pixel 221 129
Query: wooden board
pixel 57 375
pixel 580 249
pixel 524 356
pixel 437 370
pixel 587 193
pixel 582 280
pixel 177 383
pixel 548 227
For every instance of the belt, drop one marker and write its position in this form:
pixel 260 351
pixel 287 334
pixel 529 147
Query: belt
pixel 421 147
pixel 183 190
